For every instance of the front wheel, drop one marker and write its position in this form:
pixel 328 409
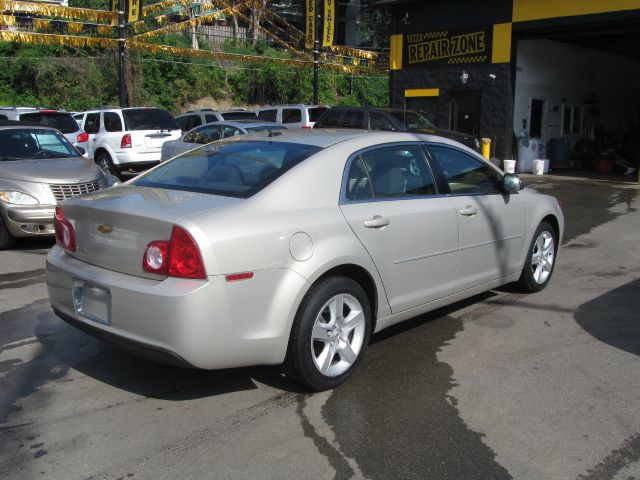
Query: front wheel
pixel 540 261
pixel 329 335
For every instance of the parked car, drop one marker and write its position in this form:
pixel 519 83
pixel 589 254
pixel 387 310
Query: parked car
pixel 59 119
pixel 389 119
pixel 38 169
pixel 292 250
pixel 211 132
pixel 292 116
pixel 128 138
pixel 194 118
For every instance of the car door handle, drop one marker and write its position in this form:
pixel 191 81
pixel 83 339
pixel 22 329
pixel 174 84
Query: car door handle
pixel 469 211
pixel 377 221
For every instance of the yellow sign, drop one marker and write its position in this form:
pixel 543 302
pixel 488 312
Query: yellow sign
pixel 310 28
pixel 329 22
pixel 134 11
pixel 114 5
pixel 446 47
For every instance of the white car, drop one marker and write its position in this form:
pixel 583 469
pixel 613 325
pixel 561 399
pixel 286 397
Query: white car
pixel 292 116
pixel 127 138
pixel 292 249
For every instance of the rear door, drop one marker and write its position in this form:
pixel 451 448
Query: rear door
pixel 391 202
pixel 92 127
pixel 150 128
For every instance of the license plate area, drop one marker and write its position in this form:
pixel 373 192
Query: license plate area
pixel 92 301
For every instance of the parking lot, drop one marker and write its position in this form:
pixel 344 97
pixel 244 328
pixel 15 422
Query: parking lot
pixel 504 385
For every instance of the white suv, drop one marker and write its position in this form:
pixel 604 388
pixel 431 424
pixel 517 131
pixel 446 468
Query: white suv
pixel 292 116
pixel 127 138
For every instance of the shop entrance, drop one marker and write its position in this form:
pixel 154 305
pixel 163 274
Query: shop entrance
pixel 465 111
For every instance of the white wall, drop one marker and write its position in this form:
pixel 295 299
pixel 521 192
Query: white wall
pixel 553 71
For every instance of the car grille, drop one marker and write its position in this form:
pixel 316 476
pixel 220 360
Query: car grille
pixel 63 191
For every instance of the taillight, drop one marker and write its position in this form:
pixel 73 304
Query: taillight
pixel 65 234
pixel 178 257
pixel 126 141
pixel 83 137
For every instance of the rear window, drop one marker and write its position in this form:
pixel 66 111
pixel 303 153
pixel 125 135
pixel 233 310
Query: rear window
pixel 62 121
pixel 148 119
pixel 330 118
pixel 238 115
pixel 413 120
pixel 315 112
pixel 233 169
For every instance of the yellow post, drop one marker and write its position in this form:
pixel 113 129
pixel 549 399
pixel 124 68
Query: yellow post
pixel 486 148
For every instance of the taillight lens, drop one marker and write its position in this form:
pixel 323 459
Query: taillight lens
pixel 65 234
pixel 126 141
pixel 83 137
pixel 178 257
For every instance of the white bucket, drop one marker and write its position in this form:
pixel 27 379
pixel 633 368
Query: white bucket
pixel 509 166
pixel 538 167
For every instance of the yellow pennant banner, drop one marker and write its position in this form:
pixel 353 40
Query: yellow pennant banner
pixel 133 10
pixel 310 28
pixel 353 52
pixel 7 21
pixel 57 11
pixel 329 22
pixel 61 40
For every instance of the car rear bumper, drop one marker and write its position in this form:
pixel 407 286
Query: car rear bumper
pixel 30 221
pixel 201 323
pixel 136 160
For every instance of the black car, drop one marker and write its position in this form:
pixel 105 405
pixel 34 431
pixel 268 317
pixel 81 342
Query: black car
pixel 388 119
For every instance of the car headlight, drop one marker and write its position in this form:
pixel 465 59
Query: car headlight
pixel 17 198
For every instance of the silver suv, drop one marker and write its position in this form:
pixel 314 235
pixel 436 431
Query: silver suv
pixel 127 138
pixel 194 118
pixel 292 116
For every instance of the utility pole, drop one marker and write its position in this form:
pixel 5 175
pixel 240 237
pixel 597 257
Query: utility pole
pixel 122 33
pixel 316 50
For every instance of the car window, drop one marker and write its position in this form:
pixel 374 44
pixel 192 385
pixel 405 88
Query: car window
pixel 92 123
pixel 202 135
pixel 352 119
pixel 358 182
pixel 78 118
pixel 231 168
pixel 413 121
pixel 315 112
pixel 148 119
pixel 208 118
pixel 398 171
pixel 228 131
pixel 239 115
pixel 18 144
pixel 60 120
pixel 291 115
pixel 329 119
pixel 464 173
pixel 112 122
pixel 379 121
pixel 188 122
pixel 268 115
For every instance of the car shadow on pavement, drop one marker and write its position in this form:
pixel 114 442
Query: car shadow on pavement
pixel 613 317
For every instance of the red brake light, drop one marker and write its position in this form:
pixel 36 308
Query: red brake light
pixel 65 234
pixel 126 141
pixel 178 257
pixel 83 137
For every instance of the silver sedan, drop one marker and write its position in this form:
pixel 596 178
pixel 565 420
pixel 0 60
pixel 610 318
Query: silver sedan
pixel 292 250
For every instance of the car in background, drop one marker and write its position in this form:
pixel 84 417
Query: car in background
pixel 211 132
pixel 292 250
pixel 292 116
pixel 39 168
pixel 390 119
pixel 50 117
pixel 130 139
pixel 194 118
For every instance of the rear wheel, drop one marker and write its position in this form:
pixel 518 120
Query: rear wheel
pixel 329 335
pixel 103 159
pixel 6 239
pixel 541 259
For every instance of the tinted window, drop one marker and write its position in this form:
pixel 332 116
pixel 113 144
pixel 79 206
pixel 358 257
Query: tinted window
pixel 235 169
pixel 203 135
pixel 315 112
pixel 112 122
pixel 208 118
pixel 352 119
pixel 412 120
pixel 398 171
pixel 268 115
pixel 291 115
pixel 230 131
pixel 34 143
pixel 464 173
pixel 92 123
pixel 239 115
pixel 62 121
pixel 149 119
pixel 330 118
pixel 188 122
pixel 379 121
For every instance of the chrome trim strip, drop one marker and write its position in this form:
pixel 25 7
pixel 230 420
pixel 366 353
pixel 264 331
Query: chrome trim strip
pixel 428 255
pixel 482 244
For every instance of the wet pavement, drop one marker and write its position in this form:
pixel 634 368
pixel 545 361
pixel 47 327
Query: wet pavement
pixel 503 385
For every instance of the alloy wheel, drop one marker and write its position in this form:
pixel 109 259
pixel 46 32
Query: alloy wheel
pixel 542 257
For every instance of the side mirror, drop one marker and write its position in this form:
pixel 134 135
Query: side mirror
pixel 512 183
pixel 82 151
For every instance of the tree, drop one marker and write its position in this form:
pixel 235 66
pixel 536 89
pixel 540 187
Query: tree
pixel 375 26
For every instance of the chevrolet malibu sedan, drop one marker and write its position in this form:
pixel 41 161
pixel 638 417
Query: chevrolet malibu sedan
pixel 293 249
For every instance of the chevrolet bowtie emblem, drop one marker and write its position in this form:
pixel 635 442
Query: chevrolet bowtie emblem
pixel 104 228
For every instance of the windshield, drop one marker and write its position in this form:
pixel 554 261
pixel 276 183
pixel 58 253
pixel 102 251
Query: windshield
pixel 149 119
pixel 22 144
pixel 413 120
pixel 60 120
pixel 233 169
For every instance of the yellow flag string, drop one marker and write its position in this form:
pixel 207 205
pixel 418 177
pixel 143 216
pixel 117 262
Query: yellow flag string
pixel 57 11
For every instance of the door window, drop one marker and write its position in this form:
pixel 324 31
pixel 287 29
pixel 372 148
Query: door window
pixel 268 115
pixel 291 115
pixel 379 121
pixel 463 173
pixel 112 122
pixel 230 131
pixel 92 123
pixel 203 135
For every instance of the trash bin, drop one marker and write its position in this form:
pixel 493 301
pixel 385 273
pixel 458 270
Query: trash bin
pixel 486 148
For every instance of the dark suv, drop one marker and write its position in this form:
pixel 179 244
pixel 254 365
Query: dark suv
pixel 388 119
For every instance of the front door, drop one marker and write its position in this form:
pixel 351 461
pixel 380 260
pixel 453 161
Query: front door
pixel 466 111
pixel 411 233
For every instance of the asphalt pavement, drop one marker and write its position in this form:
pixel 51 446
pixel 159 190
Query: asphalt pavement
pixel 503 385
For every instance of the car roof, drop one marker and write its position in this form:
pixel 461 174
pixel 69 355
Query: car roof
pixel 285 105
pixel 14 124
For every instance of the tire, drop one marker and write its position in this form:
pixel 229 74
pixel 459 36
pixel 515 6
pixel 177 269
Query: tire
pixel 541 259
pixel 6 239
pixel 106 164
pixel 325 348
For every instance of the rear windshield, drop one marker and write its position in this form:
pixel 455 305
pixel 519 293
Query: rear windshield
pixel 413 120
pixel 238 115
pixel 60 120
pixel 315 112
pixel 232 169
pixel 149 119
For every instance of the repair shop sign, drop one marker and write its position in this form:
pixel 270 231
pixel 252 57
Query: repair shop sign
pixel 447 47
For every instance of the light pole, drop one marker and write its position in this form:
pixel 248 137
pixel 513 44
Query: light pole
pixel 121 51
pixel 316 50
